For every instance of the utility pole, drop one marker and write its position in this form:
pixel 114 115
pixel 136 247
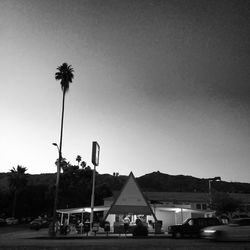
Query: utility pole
pixel 95 161
pixel 217 178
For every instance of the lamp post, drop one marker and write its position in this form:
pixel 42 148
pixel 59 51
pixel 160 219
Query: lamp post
pixel 95 161
pixel 210 180
pixel 53 232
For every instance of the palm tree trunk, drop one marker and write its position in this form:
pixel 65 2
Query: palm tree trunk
pixel 14 204
pixel 62 119
pixel 58 168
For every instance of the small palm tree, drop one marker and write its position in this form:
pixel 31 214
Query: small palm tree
pixel 78 159
pixel 65 76
pixel 83 164
pixel 17 181
pixel 64 163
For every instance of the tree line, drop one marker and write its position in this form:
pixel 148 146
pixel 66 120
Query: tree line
pixel 24 199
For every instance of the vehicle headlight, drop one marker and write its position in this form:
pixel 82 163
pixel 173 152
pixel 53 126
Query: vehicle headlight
pixel 209 231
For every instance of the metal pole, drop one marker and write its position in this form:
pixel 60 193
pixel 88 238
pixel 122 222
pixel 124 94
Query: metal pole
pixel 92 200
pixel 56 194
pixel 181 215
pixel 217 178
pixel 81 222
pixel 209 193
pixel 62 219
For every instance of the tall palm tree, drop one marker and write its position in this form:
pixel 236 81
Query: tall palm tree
pixel 65 76
pixel 17 181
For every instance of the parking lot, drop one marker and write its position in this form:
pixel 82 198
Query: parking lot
pixel 21 237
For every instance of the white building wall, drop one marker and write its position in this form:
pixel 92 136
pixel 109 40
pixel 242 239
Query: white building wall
pixel 181 216
pixel 167 218
pixel 111 220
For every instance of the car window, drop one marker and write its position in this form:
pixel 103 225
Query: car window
pixel 201 223
pixel 244 222
pixel 190 222
pixel 213 222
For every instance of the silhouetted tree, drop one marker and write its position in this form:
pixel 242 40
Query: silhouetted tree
pixel 102 191
pixel 34 201
pixel 17 181
pixel 223 203
pixel 64 163
pixel 83 164
pixel 78 159
pixel 75 187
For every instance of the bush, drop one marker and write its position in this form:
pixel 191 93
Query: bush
pixel 140 230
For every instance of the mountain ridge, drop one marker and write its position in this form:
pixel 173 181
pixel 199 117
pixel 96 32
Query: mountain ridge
pixel 154 181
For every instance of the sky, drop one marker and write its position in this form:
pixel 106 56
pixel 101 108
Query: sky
pixel 160 85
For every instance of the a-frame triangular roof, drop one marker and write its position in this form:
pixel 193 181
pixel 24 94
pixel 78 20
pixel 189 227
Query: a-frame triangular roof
pixel 131 200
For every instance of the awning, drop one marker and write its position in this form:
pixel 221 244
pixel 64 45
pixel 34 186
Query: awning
pixel 123 209
pixel 180 209
pixel 82 210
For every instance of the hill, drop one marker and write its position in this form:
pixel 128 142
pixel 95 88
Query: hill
pixel 155 181
pixel 160 182
pixel 36 179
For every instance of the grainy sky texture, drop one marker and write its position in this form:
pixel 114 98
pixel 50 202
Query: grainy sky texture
pixel 161 85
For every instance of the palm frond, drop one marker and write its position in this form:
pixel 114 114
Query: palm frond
pixel 65 74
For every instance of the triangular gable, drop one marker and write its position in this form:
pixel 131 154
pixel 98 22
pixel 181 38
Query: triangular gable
pixel 131 200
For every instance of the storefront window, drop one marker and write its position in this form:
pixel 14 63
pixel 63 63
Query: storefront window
pixel 198 206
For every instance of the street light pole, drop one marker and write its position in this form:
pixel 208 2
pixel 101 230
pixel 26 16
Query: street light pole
pixel 92 200
pixel 95 161
pixel 217 178
pixel 56 191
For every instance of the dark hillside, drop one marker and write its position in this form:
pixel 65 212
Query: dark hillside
pixel 112 182
pixel 42 179
pixel 3 182
pixel 161 182
pixel 155 181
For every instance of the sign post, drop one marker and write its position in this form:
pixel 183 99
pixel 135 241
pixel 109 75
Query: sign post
pixel 95 161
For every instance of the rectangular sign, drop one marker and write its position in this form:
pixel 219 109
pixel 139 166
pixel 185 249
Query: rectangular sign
pixel 95 153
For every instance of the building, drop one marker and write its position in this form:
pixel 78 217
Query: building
pixel 168 207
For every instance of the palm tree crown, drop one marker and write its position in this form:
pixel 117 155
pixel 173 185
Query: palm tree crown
pixel 78 159
pixel 65 74
pixel 19 169
pixel 17 178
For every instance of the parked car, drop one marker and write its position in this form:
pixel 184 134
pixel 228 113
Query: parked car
pixel 237 229
pixel 11 221
pixel 38 223
pixel 239 216
pixel 192 226
pixel 2 222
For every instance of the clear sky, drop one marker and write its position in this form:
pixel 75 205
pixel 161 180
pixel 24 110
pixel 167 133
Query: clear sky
pixel 161 85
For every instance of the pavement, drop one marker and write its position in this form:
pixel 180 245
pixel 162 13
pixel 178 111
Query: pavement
pixel 27 239
pixel 98 235
pixel 44 234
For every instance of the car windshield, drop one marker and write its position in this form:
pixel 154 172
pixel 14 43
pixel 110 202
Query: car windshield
pixel 186 221
pixel 37 220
